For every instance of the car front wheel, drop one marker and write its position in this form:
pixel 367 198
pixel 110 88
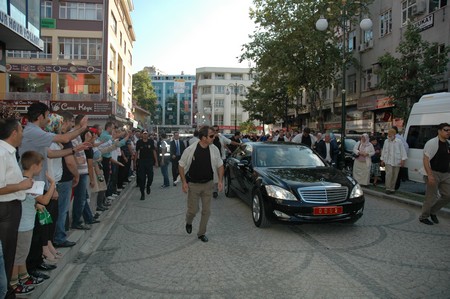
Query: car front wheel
pixel 258 211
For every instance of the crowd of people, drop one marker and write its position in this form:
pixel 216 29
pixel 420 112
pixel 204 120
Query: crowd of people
pixel 58 163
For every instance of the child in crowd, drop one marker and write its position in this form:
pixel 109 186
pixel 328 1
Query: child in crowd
pixel 21 281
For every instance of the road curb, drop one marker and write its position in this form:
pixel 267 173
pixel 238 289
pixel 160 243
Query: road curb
pixel 444 212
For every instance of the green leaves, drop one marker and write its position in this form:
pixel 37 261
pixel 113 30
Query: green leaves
pixel 143 93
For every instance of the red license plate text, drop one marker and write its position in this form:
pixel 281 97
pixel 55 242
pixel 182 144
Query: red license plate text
pixel 332 210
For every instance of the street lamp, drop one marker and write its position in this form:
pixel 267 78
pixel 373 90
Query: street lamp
pixel 322 25
pixel 236 88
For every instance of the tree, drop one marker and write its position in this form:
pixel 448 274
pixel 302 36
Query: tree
pixel 415 72
pixel 143 92
pixel 292 56
pixel 247 127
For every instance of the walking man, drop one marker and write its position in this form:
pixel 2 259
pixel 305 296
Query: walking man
pixel 146 153
pixel 393 156
pixel 436 159
pixel 164 156
pixel 199 166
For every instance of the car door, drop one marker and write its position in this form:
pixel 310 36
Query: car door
pixel 242 163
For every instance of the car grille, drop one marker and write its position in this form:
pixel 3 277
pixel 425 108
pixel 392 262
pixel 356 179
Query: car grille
pixel 323 194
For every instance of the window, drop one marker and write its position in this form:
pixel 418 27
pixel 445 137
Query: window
pixel 80 48
pixel 351 41
pixel 437 4
pixel 46 53
pixel 236 77
pixel 386 23
pixel 120 40
pixel 368 36
pixel 370 80
pixel 219 89
pixel 81 11
pixel 30 82
pixel 218 103
pixel 207 90
pixel 79 83
pixel 408 9
pixel 220 76
pixel 351 84
pixel 419 135
pixel 46 9
pixel 114 24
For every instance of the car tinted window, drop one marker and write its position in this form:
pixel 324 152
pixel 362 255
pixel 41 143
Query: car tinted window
pixel 243 152
pixel 290 156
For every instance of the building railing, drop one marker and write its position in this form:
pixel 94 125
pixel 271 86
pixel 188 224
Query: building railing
pixel 44 96
pixel 26 96
pixel 95 97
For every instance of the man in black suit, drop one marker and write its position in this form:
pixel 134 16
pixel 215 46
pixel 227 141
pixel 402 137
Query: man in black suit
pixel 176 150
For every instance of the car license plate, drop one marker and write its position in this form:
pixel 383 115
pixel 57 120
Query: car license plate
pixel 332 210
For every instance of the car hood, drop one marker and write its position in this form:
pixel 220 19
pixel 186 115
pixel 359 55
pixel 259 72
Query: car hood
pixel 298 177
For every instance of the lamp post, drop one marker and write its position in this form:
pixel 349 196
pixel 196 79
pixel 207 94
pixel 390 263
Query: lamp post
pixel 236 87
pixel 322 25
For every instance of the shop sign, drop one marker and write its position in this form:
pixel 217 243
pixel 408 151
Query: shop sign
pixel 425 23
pixel 40 68
pixel 48 23
pixel 79 107
pixel 385 102
pixel 15 26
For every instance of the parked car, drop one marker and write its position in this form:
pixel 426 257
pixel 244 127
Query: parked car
pixel 290 182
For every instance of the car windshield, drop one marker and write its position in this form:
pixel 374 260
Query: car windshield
pixel 286 156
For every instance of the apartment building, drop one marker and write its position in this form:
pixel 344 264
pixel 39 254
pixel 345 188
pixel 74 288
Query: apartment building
pixel 219 92
pixel 368 107
pixel 86 62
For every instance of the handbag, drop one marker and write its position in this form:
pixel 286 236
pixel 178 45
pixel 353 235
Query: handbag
pixel 99 185
pixel 44 217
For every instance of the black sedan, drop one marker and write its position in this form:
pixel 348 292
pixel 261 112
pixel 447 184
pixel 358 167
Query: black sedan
pixel 290 182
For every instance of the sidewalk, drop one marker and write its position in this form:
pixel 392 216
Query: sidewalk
pixel 410 192
pixel 87 242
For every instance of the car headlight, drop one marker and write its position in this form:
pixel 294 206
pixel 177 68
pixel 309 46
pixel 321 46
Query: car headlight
pixel 357 191
pixel 279 193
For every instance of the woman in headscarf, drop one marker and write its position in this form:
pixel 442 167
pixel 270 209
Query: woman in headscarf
pixel 363 151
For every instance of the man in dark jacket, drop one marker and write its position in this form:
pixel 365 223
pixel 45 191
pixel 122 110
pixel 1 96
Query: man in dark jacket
pixel 328 149
pixel 176 150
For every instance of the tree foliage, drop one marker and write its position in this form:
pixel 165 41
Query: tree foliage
pixel 247 127
pixel 143 92
pixel 292 56
pixel 415 71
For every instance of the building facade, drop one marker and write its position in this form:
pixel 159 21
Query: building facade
pixel 19 29
pixel 86 62
pixel 368 107
pixel 175 95
pixel 219 92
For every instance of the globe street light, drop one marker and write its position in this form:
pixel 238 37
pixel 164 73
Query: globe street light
pixel 322 25
pixel 236 88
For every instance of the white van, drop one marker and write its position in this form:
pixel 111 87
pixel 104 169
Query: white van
pixel 426 115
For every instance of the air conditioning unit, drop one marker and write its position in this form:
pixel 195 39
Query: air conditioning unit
pixel 419 8
pixel 362 47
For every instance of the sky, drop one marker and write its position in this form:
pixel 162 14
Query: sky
pixel 181 35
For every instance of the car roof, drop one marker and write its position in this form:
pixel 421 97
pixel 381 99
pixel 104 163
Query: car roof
pixel 274 144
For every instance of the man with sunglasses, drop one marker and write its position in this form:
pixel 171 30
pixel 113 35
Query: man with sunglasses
pixel 200 165
pixel 436 160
